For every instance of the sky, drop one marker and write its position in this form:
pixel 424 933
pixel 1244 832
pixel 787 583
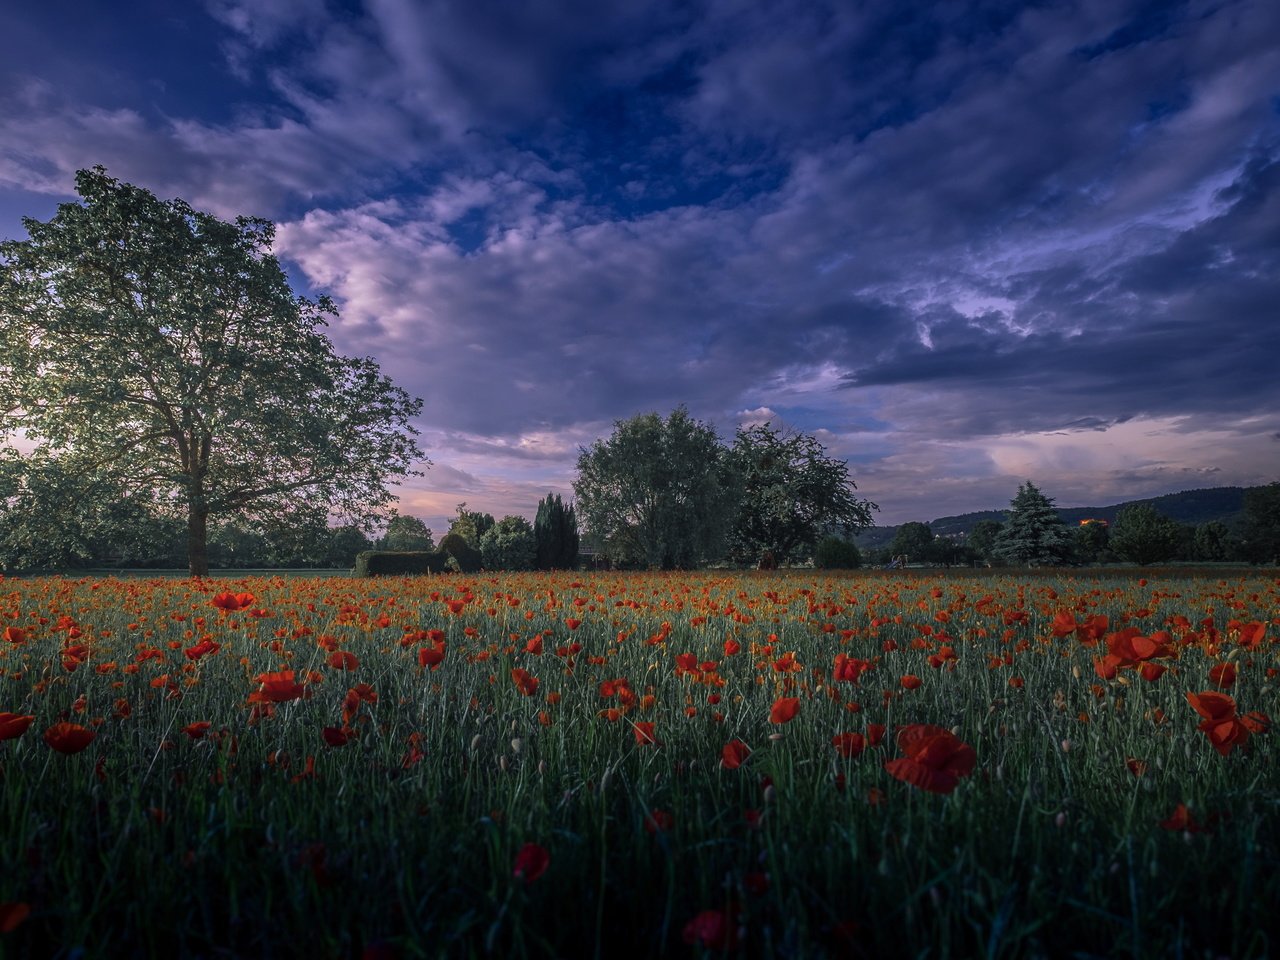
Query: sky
pixel 964 244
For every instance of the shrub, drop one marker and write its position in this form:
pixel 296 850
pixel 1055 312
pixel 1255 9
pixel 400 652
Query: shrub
pixel 372 563
pixel 836 553
pixel 465 557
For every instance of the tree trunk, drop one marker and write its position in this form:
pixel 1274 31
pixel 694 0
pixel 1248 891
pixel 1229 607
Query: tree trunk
pixel 198 539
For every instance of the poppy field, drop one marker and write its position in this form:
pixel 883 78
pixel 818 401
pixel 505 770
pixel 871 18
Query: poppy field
pixel 694 764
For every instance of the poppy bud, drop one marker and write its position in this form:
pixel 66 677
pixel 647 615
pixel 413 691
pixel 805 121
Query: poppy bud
pixel 517 745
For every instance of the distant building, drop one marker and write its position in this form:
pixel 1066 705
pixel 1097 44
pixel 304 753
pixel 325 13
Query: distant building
pixel 1103 523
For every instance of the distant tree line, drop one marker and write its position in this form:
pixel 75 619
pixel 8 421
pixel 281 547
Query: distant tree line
pixel 1032 534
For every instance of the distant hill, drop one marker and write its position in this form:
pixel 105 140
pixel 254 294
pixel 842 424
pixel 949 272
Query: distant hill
pixel 1189 507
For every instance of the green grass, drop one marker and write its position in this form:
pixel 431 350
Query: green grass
pixel 152 843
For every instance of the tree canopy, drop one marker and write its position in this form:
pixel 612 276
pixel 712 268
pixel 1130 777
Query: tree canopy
pixel 792 494
pixel 1142 535
pixel 555 529
pixel 658 493
pixel 160 347
pixel 1033 533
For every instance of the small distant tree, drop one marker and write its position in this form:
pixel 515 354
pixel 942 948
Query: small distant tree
pixel 913 539
pixel 1033 533
pixel 471 525
pixel 1092 539
pixel 509 545
pixel 982 538
pixel 344 543
pixel 555 530
pixel 1211 542
pixel 405 532
pixel 836 553
pixel 1143 536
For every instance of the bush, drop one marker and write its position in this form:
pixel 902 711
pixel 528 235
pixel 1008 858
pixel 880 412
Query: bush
pixel 372 563
pixel 836 553
pixel 466 557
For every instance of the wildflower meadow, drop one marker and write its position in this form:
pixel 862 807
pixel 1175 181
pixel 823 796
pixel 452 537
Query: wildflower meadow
pixel 786 764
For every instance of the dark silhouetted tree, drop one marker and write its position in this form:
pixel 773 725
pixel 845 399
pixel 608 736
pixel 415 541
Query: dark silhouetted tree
pixel 162 348
pixel 1033 533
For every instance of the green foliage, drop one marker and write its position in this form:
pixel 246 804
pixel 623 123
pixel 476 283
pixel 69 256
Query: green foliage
pixel 466 558
pixel 792 492
pixel 1092 540
pixel 471 525
pixel 1143 536
pixel 555 529
pixel 912 540
pixel 836 553
pixel 982 538
pixel 1212 542
pixel 372 563
pixel 1033 533
pixel 405 533
pixel 58 513
pixel 659 493
pixel 509 544
pixel 1260 531
pixel 162 345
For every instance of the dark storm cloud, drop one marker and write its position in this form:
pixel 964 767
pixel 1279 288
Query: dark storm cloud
pixel 912 226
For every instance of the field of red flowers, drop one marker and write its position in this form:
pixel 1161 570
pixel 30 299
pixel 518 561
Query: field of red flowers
pixel 790 765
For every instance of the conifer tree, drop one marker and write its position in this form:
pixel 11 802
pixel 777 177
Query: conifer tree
pixel 555 529
pixel 1033 534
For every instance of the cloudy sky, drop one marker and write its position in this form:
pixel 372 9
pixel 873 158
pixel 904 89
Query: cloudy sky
pixel 963 243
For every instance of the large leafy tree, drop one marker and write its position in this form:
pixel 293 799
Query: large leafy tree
pixel 509 545
pixel 912 540
pixel 163 347
pixel 555 529
pixel 792 494
pixel 406 532
pixel 660 493
pixel 1142 535
pixel 1033 533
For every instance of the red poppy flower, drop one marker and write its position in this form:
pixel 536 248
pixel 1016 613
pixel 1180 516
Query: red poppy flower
pixel 12 915
pixel 525 682
pixel 849 745
pixel 875 734
pixel 935 758
pixel 784 710
pixel 644 733
pixel 14 725
pixel 1223 675
pixel 68 737
pixel 430 657
pixel 911 682
pixel 278 687
pixel 734 754
pixel 335 736
pixel 714 929
pixel 531 862
pixel 658 821
pixel 232 602
pixel 1224 729
pixel 1136 767
pixel 197 730
pixel 849 669
pixel 343 660
pixel 1181 820
pixel 15 634
pixel 572 624
pixel 201 649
